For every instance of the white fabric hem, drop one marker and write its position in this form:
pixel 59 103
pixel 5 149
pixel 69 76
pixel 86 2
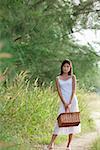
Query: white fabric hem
pixel 61 133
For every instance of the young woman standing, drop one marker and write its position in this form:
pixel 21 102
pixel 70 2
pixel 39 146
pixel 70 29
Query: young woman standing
pixel 66 87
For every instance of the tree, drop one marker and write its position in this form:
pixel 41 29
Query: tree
pixel 38 34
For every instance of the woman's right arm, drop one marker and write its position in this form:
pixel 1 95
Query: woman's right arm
pixel 60 94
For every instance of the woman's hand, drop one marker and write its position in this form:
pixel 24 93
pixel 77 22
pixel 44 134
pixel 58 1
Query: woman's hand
pixel 66 106
pixel 69 104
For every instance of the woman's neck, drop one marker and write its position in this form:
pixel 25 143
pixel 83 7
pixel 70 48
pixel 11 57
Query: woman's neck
pixel 65 74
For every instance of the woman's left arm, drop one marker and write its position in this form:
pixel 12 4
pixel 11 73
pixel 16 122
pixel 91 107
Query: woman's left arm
pixel 73 88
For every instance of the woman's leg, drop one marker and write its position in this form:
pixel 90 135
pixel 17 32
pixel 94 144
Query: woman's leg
pixel 69 139
pixel 52 140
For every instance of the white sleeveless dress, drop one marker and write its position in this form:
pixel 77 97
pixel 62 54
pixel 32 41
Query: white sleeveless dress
pixel 66 90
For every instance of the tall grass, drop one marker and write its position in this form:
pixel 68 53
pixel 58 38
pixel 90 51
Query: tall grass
pixel 28 112
pixel 86 120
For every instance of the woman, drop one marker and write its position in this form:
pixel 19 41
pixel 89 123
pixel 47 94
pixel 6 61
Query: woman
pixel 66 86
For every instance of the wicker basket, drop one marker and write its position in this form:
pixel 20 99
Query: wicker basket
pixel 68 119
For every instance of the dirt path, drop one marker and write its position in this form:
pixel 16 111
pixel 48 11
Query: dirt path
pixel 81 143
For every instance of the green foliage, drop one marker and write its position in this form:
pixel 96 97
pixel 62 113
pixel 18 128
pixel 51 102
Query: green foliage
pixel 38 35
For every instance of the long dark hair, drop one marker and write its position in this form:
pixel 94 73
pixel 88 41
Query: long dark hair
pixel 68 62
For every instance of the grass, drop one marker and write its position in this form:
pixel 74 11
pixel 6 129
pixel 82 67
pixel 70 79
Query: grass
pixel 94 103
pixel 28 113
pixel 96 144
pixel 85 109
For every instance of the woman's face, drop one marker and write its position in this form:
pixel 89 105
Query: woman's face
pixel 66 68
